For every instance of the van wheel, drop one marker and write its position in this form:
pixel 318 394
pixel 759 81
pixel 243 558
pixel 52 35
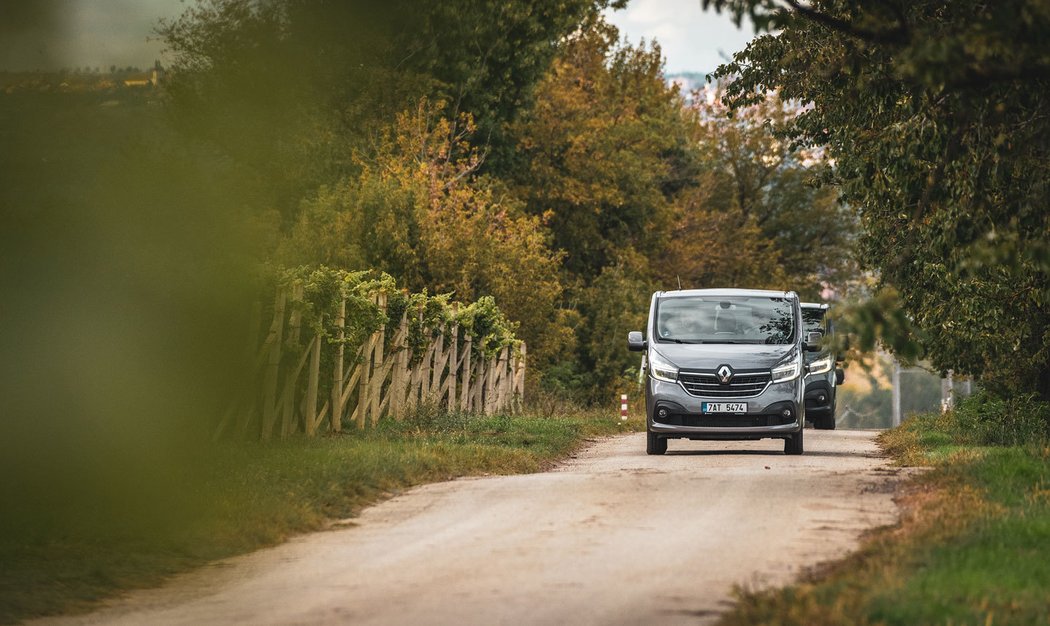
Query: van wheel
pixel 655 444
pixel 825 422
pixel 793 444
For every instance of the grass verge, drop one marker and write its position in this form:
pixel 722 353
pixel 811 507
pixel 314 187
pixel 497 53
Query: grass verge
pixel 249 495
pixel 971 547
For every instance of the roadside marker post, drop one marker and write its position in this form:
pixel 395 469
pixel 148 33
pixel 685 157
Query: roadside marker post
pixel 623 407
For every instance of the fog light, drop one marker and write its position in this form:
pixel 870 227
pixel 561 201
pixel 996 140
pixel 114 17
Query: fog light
pixel 820 398
pixel 787 412
pixel 662 413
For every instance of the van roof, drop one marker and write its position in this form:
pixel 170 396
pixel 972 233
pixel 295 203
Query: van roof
pixel 760 293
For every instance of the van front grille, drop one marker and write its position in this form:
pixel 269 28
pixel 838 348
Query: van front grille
pixel 742 385
pixel 726 421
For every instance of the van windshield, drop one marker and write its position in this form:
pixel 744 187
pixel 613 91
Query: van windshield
pixel 712 319
pixel 813 319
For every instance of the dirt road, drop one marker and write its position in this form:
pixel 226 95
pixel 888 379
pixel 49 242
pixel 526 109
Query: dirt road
pixel 612 537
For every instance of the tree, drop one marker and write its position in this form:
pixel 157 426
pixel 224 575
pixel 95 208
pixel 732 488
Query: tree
pixel 937 116
pixel 604 150
pixel 606 147
pixel 419 210
pixel 295 88
pixel 766 182
pixel 714 244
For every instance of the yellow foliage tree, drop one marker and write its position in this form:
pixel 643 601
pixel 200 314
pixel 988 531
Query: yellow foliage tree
pixel 419 211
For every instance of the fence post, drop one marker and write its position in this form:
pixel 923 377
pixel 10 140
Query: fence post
pixel 396 392
pixel 502 379
pixel 453 361
pixel 337 371
pixel 519 375
pixel 378 371
pixel 490 386
pixel 434 388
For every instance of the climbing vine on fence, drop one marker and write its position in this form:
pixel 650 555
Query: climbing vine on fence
pixel 351 346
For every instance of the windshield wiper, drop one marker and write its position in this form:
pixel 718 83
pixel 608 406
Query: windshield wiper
pixel 687 341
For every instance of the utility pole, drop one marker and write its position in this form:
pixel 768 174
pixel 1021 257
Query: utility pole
pixel 947 393
pixel 896 393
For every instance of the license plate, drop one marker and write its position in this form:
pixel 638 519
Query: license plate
pixel 723 407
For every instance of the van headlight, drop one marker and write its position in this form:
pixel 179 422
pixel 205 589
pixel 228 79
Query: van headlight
pixel 661 369
pixel 787 371
pixel 821 365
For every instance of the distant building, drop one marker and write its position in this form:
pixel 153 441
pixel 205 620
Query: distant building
pixel 152 78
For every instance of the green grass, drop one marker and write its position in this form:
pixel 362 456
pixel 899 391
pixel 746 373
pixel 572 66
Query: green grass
pixel 971 547
pixel 249 495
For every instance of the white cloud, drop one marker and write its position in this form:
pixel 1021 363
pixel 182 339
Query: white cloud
pixel 692 40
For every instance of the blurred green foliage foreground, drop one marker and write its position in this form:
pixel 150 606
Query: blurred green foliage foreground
pixel 127 273
pixel 121 269
pixel 513 149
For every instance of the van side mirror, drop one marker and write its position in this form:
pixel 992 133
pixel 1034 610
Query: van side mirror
pixel 812 343
pixel 635 341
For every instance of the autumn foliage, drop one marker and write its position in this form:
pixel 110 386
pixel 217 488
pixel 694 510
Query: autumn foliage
pixel 569 194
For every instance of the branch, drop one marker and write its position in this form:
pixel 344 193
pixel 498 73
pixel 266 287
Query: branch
pixel 898 35
pixel 990 74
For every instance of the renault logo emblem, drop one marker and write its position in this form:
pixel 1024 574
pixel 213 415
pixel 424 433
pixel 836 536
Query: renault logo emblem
pixel 725 374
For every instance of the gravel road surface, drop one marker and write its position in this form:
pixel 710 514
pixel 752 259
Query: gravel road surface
pixel 611 537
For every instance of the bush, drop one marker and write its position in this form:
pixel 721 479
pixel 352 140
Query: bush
pixel 985 419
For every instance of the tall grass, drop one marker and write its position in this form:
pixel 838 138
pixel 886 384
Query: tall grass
pixel 970 547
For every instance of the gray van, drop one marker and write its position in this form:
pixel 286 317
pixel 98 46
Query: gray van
pixel 724 364
pixel 823 376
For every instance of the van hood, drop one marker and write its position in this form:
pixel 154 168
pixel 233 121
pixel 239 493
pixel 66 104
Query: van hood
pixel 709 356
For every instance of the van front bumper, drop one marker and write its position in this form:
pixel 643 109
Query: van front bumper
pixel 673 412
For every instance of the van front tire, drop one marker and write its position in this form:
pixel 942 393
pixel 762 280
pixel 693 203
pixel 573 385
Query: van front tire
pixel 655 444
pixel 825 422
pixel 793 444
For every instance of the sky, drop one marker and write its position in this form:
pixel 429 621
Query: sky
pixel 52 34
pixel 692 40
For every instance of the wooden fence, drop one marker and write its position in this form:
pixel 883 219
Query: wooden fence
pixel 384 377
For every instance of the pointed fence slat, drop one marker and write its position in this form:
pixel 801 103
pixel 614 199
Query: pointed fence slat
pixel 365 370
pixel 399 380
pixel 464 395
pixel 294 322
pixel 453 365
pixel 310 418
pixel 273 366
pixel 379 372
pixel 336 423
